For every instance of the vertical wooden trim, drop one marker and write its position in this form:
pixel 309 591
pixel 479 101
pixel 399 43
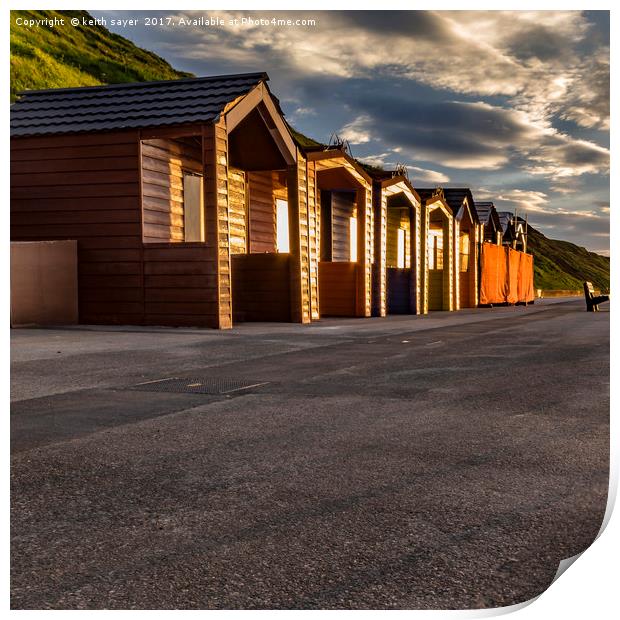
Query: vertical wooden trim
pixel 141 174
pixel 448 292
pixel 456 297
pixel 246 198
pixel 369 246
pixel 314 208
pixel 379 263
pixel 424 253
pixel 215 189
pixel 414 262
pixel 364 252
pixel 298 239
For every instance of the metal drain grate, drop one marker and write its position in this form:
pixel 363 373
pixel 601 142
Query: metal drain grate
pixel 202 385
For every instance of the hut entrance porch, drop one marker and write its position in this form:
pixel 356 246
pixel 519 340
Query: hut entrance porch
pixel 259 246
pixel 400 281
pixel 438 254
pixel 466 263
pixel 259 216
pixel 342 201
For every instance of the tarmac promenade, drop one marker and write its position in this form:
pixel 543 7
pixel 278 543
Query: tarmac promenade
pixel 445 461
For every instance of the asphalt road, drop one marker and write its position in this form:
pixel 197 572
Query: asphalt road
pixel 448 461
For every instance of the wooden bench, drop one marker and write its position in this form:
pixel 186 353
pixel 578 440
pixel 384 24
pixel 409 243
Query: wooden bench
pixel 592 301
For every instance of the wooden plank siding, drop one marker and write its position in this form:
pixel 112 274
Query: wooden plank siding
pixel 339 292
pixel 180 284
pixel 261 287
pixel 262 214
pixel 86 187
pixel 237 206
pixel 343 208
pixel 165 161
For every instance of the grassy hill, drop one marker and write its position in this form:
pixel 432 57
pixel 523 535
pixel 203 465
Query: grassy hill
pixel 92 55
pixel 65 56
pixel 564 265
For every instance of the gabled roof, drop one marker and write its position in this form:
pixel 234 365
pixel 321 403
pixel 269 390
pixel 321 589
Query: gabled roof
pixel 505 218
pixel 454 197
pixel 426 193
pixel 125 106
pixel 385 178
pixel 484 211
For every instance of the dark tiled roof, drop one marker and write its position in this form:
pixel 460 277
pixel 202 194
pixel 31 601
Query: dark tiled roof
pixel 425 193
pixel 504 219
pixel 124 106
pixel 380 175
pixel 454 196
pixel 484 211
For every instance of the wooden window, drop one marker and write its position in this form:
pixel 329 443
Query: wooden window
pixel 400 248
pixel 283 243
pixel 464 252
pixel 193 209
pixel 353 239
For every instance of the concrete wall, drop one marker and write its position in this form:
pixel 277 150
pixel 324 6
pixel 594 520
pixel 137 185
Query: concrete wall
pixel 44 283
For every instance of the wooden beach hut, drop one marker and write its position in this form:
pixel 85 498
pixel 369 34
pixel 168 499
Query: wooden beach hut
pixel 438 237
pixel 187 199
pixel 514 230
pixel 339 196
pixel 466 246
pixel 491 228
pixel 397 266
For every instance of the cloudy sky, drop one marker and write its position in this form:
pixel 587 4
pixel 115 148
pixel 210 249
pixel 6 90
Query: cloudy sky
pixel 514 105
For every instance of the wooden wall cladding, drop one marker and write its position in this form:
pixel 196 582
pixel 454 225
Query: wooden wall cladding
pixel 435 289
pixel 237 207
pixel 87 188
pixel 261 287
pixel 338 283
pixel 164 163
pixel 398 291
pixel 397 219
pixel 180 284
pixel 343 208
pixel 262 215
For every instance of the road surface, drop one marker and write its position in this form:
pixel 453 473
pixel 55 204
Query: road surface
pixel 448 461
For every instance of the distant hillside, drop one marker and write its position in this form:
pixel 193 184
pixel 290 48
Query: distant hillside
pixel 564 265
pixel 86 56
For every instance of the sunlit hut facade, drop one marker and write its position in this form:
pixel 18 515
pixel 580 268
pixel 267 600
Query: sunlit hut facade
pixel 187 199
pixel 397 265
pixel 467 235
pixel 437 236
pixel 339 196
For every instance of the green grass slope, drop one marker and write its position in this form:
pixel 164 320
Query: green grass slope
pixel 65 56
pixel 564 265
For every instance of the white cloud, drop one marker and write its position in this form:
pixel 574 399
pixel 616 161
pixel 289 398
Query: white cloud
pixel 304 111
pixel 358 130
pixel 424 175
